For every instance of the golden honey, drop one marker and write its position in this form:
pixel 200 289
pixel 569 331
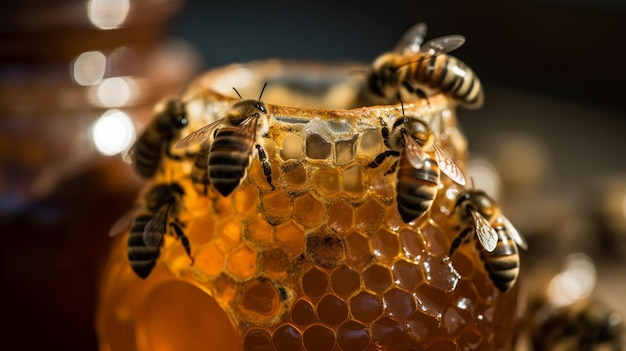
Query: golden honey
pixel 324 260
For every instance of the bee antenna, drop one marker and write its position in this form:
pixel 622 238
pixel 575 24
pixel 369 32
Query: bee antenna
pixel 472 181
pixel 262 90
pixel 401 104
pixel 237 93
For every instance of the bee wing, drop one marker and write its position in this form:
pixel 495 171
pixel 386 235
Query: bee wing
pixel 449 167
pixel 414 152
pixel 443 44
pixel 248 127
pixel 124 222
pixel 412 39
pixel 515 235
pixel 129 155
pixel 487 236
pixel 156 227
pixel 199 134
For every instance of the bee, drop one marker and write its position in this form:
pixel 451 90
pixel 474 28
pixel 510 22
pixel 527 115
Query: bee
pixel 200 171
pixel 421 160
pixel 234 138
pixel 163 203
pixel 146 153
pixel 498 240
pixel 416 67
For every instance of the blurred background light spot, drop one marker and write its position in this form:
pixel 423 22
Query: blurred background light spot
pixel 88 68
pixel 113 132
pixel 575 282
pixel 484 176
pixel 113 92
pixel 240 78
pixel 107 14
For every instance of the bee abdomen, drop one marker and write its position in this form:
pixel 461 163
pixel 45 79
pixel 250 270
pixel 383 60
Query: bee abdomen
pixel 200 172
pixel 228 162
pixel 416 189
pixel 503 263
pixel 148 157
pixel 142 258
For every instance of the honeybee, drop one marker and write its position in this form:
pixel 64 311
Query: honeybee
pixel 146 153
pixel 163 203
pixel 498 240
pixel 234 137
pixel 417 67
pixel 421 159
pixel 200 171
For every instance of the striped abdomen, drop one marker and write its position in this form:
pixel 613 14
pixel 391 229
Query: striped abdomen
pixel 200 171
pixel 416 188
pixel 447 74
pixel 142 258
pixel 229 159
pixel 149 151
pixel 503 263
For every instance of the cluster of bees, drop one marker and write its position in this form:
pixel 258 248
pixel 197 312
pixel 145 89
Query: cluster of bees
pixel 414 69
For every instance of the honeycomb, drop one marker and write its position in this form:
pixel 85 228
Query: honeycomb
pixel 324 261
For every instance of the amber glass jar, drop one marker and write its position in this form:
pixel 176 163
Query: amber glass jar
pixel 320 260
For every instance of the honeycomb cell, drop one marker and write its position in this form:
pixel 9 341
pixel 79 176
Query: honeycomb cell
pixel 295 178
pixel 276 204
pixel 317 147
pixel 260 232
pixel 463 264
pixel 385 246
pixel 274 262
pixel 242 262
pixel 440 273
pixel 315 282
pixel 464 299
pixel 344 281
pixel 398 304
pixel 209 261
pixel 436 240
pixel 471 338
pixel 302 313
pixel 420 326
pixel 357 251
pixel 324 250
pixel 290 237
pixel 388 332
pixel 484 286
pixel 331 310
pixel 443 345
pixel 228 234
pixel 352 182
pixel 257 340
pixel 377 278
pixel 412 244
pixel 308 210
pixel 353 336
pixel 431 300
pixel 292 147
pixel 370 144
pixel 366 307
pixel 368 216
pixel 340 217
pixel 318 338
pixel 245 201
pixel 326 182
pixel 407 275
pixel 221 206
pixel 453 321
pixel 345 151
pixel 287 338
pixel 201 230
pixel 260 298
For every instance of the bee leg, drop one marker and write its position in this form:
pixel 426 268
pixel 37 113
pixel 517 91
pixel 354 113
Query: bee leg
pixel 267 169
pixel 384 131
pixel 381 158
pixel 183 238
pixel 392 169
pixel 458 240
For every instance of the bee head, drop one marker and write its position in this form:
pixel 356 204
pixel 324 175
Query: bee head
pixel 481 202
pixel 177 113
pixel 415 129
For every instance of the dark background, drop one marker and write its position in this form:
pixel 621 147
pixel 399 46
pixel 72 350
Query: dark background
pixel 553 70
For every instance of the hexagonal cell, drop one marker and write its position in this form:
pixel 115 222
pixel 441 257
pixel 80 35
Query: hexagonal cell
pixel 318 338
pixel 317 147
pixel 412 243
pixel 292 147
pixel 353 336
pixel 444 345
pixel 257 339
pixel 471 337
pixel 332 310
pixel 287 338
pixel 421 326
pixel 242 262
pixel 260 298
pixel 407 275
pixel 302 313
pixel 465 299
pixel 431 300
pixel 399 304
pixel 315 282
pixel 437 241
pixel 463 264
pixel 209 261
pixel 275 263
pixel 308 210
pixel 344 281
pixel 453 321
pixel 324 249
pixel 390 333
pixel 377 278
pixel 295 178
pixel 385 246
pixel 340 217
pixel 260 232
pixel 245 201
pixel 358 253
pixel 440 273
pixel 228 234
pixel 201 230
pixel 371 143
pixel 326 181
pixel 290 237
pixel 368 216
pixel 345 151
pixel 276 204
pixel 351 179
pixel 366 307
